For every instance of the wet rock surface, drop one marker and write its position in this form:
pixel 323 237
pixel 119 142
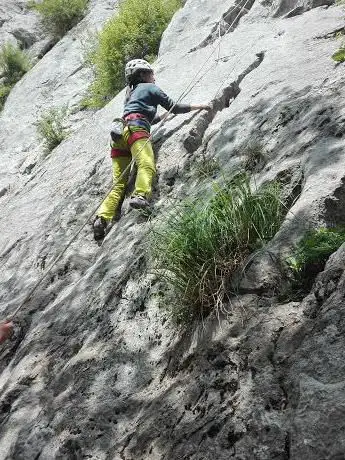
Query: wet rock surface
pixel 95 368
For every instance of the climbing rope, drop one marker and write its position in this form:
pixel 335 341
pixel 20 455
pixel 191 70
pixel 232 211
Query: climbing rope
pixel 216 46
pixel 194 81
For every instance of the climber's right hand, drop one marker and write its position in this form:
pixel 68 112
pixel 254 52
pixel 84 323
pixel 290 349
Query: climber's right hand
pixel 202 107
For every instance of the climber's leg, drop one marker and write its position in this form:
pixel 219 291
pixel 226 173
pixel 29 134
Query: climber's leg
pixel 143 155
pixel 111 206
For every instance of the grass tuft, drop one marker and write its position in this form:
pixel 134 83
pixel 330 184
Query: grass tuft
pixel 51 127
pixel 313 251
pixel 255 157
pixel 206 168
pixel 309 259
pixel 202 244
pixel 135 32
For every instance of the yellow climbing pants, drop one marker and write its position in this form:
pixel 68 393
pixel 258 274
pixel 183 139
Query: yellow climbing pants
pixel 142 153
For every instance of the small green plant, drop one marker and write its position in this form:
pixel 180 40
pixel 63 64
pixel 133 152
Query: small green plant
pixel 309 259
pixel 202 244
pixel 14 63
pixel 134 32
pixel 314 249
pixel 206 167
pixel 51 127
pixel 59 16
pixel 339 55
pixel 255 157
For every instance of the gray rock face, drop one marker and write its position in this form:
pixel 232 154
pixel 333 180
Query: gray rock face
pixel 95 369
pixel 18 23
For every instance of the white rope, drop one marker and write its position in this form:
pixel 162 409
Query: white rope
pixel 213 49
pixel 220 42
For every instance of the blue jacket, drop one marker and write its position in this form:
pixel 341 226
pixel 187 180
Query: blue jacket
pixel 144 98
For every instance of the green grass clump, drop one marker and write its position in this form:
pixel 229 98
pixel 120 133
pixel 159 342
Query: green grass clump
pixel 135 32
pixel 202 244
pixel 206 168
pixel 255 157
pixel 313 251
pixel 59 16
pixel 51 128
pixel 309 259
pixel 14 63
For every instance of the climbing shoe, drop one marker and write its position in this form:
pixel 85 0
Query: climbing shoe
pixel 139 202
pixel 99 228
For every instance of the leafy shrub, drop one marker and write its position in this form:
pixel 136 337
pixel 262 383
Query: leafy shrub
pixel 313 251
pixel 59 16
pixel 201 244
pixel 134 33
pixel 51 127
pixel 14 63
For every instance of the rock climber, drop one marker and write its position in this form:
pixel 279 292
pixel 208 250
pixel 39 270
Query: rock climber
pixel 140 112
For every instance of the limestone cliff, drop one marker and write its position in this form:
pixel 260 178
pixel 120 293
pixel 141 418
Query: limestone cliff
pixel 95 369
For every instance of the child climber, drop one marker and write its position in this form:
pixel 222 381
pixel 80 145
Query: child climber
pixel 142 99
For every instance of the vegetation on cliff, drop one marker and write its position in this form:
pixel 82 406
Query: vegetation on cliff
pixel 134 32
pixel 311 254
pixel 200 246
pixel 59 16
pixel 51 127
pixel 14 63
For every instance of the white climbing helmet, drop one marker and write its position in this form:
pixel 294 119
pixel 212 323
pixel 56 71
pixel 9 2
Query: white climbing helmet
pixel 136 65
